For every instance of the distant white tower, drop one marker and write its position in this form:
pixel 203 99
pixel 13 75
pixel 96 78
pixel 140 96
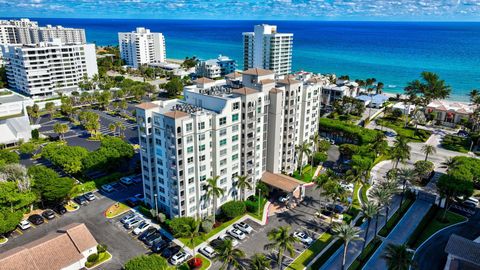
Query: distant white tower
pixel 142 47
pixel 267 49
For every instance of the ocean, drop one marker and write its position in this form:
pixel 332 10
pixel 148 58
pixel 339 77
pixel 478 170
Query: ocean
pixel 392 52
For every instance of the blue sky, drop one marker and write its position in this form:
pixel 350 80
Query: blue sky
pixel 385 10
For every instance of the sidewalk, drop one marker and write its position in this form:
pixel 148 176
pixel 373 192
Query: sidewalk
pixel 400 233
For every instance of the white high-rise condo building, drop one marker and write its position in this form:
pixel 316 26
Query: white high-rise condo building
pixel 38 70
pixel 142 47
pixel 24 31
pixel 265 48
pixel 246 125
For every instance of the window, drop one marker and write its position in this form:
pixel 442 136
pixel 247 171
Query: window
pixel 223 162
pixel 223 181
pixel 235 128
pixel 223 132
pixel 189 139
pixel 190 149
pixel 236 105
pixel 201 125
pixel 234 138
pixel 189 160
pixel 202 158
pixel 191 200
pixel 201 137
pixel 201 147
pixel 191 190
pixel 191 170
pixel 235 117
pixel 223 121
pixel 203 168
pixel 235 147
pixel 223 152
pixel 203 178
pixel 189 127
pixel 235 157
pixel 223 142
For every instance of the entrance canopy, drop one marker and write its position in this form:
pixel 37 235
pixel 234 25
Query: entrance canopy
pixel 280 181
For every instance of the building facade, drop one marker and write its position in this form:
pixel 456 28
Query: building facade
pixel 267 49
pixel 223 128
pixel 216 68
pixel 38 70
pixel 142 47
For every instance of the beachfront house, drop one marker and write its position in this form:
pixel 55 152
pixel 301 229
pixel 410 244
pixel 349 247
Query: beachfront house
pixel 373 101
pixel 449 113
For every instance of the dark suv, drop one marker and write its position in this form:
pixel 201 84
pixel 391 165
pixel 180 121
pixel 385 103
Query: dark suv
pixel 35 219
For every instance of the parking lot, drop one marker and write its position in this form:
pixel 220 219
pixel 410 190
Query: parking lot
pixel 105 231
pixel 301 218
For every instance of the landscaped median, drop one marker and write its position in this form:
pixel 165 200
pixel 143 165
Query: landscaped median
pixel 309 254
pixel 116 210
pixel 363 258
pixel 327 254
pixel 205 264
pixel 396 217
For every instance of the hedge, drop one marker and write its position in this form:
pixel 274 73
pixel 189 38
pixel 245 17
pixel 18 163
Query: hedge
pixel 396 217
pixel 348 131
pixel 233 209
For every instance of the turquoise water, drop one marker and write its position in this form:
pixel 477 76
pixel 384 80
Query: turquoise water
pixel 391 52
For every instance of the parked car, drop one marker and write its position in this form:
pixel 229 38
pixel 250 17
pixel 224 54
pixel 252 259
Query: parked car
pixel 462 133
pixel 36 219
pixel 60 209
pixel 107 188
pixel 236 233
pixel 48 214
pixel 171 250
pixel 159 246
pixel 89 196
pixel 141 228
pixel 127 218
pixel 132 202
pixel 216 243
pixel 284 198
pixel 133 223
pixel 335 208
pixel 228 237
pixel 147 233
pixel 150 240
pixel 179 258
pixel 303 237
pixel 127 180
pixel 80 200
pixel 347 187
pixel 244 227
pixel 24 225
pixel 137 179
pixel 469 204
pixel 139 197
pixel 208 251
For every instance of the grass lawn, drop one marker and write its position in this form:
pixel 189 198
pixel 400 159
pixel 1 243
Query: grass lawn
pixel 302 261
pixel 103 257
pixel 307 174
pixel 356 199
pixel 202 238
pixel 116 210
pixel 326 255
pixel 398 124
pixel 395 218
pixel 3 239
pixel 363 193
pixel 205 263
pixel 435 224
pixel 71 206
pixel 456 143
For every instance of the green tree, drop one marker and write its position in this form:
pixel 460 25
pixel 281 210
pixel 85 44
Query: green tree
pixel 400 151
pixel 429 88
pixel 67 106
pixel 242 184
pixel 112 127
pixel 213 191
pixel 428 149
pixel 382 197
pixel 369 211
pixel 9 220
pixel 454 185
pixel 189 230
pixel 281 240
pixel 104 99
pixel 60 129
pixel 147 262
pixel 397 257
pixel 48 184
pixel 28 148
pixel 90 121
pixel 174 87
pixel 259 262
pixel 229 257
pixel 9 157
pixel 347 234
pixel 50 108
pixel 303 149
pixel 405 176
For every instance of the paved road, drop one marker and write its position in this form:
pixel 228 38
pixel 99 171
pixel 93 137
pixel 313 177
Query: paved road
pixel 400 233
pixel 431 255
pixel 120 243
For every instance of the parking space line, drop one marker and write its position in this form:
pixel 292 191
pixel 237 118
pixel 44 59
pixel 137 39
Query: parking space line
pixel 19 231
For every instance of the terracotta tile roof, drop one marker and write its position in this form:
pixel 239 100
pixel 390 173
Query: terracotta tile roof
pixel 288 81
pixel 147 105
pixel 314 80
pixel 234 75
pixel 245 91
pixel 267 81
pixel 258 72
pixel 283 182
pixel 276 90
pixel 176 114
pixel 203 80
pixel 53 251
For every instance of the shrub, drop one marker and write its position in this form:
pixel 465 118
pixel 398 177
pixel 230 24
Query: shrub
pixel 323 145
pixel 92 258
pixel 233 209
pixel 176 224
pixel 101 248
pixel 252 207
pixel 207 225
pixel 145 262
pixel 349 132
pixel 397 113
pixel 423 169
pixel 319 157
pixel 195 263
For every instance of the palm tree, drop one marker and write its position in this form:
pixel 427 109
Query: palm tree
pixel 405 176
pixel 303 149
pixel 242 184
pixel 281 240
pixel 450 163
pixel 369 211
pixel 401 150
pixel 397 257
pixel 121 127
pixel 428 149
pixel 60 129
pixel 380 144
pixel 474 94
pixel 112 127
pixel 430 88
pixel 259 262
pixel 379 88
pixel 346 233
pixel 316 140
pixel 213 192
pixel 382 197
pixel 190 230
pixel 229 256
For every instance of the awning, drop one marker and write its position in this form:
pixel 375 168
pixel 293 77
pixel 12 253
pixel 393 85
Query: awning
pixel 280 181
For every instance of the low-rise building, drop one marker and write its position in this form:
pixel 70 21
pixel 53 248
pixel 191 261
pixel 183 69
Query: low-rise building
pixel 216 68
pixel 449 113
pixel 373 101
pixel 13 104
pixel 66 249
pixel 463 253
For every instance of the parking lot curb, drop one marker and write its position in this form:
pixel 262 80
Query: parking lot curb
pixel 117 215
pixel 6 240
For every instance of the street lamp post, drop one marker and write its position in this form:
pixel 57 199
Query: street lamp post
pixel 156 205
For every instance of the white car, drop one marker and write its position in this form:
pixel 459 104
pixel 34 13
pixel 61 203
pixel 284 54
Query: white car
pixel 236 233
pixel 24 225
pixel 303 237
pixel 126 180
pixel 141 228
pixel 107 188
pixel 133 223
pixel 208 251
pixel 228 237
pixel 128 218
pixel 244 227
pixel 179 258
pixel 347 187
pixel 284 198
